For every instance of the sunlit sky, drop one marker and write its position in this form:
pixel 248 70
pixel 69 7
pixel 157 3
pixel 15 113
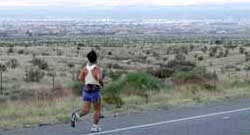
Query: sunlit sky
pixel 89 3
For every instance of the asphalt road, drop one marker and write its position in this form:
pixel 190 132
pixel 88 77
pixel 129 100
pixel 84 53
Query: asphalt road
pixel 231 118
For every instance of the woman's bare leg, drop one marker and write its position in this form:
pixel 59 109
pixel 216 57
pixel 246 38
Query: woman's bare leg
pixel 85 108
pixel 97 113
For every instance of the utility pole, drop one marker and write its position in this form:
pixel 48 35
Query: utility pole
pixel 1 87
pixel 52 74
pixel 2 69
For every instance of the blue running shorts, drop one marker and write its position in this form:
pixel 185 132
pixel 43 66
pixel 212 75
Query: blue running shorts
pixel 91 94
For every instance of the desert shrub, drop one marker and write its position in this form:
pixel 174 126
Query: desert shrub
pixel 12 63
pixel 170 68
pixel 200 58
pixel 185 77
pixel 71 65
pixel 10 50
pixel 45 54
pixel 214 49
pixel 237 69
pixel 3 67
pixel 204 49
pixel 226 53
pixel 34 74
pixel 74 72
pixel 42 64
pixel 210 86
pixel 196 55
pixel 221 54
pixel 230 45
pixel 80 45
pixel 165 59
pixel 242 50
pixel 247 56
pixel 180 65
pixel 211 54
pixel 160 72
pixel 59 52
pixel 218 42
pixel 76 87
pixel 247 45
pixel 109 53
pixel 199 76
pixel 202 71
pixel 180 57
pixel 21 51
pixel 184 49
pixel 191 47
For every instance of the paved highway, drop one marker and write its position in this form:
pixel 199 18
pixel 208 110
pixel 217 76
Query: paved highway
pixel 231 118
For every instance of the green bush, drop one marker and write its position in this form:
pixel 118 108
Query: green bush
pixel 142 81
pixel 114 75
pixel 133 83
pixel 112 92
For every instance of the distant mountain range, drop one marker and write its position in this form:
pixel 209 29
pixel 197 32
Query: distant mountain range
pixel 227 11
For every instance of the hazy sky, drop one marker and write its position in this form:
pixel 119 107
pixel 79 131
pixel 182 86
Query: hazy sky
pixel 89 3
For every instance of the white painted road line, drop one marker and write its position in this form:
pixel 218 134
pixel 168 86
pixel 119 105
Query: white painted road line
pixel 170 121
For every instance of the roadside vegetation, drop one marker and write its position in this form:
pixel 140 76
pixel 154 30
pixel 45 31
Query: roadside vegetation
pixel 39 74
pixel 131 91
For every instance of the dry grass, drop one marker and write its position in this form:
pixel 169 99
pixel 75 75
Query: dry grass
pixel 185 96
pixel 36 111
pixel 19 114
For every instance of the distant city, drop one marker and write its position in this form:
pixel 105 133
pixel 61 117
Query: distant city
pixel 222 12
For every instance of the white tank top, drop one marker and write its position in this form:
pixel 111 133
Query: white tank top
pixel 90 78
